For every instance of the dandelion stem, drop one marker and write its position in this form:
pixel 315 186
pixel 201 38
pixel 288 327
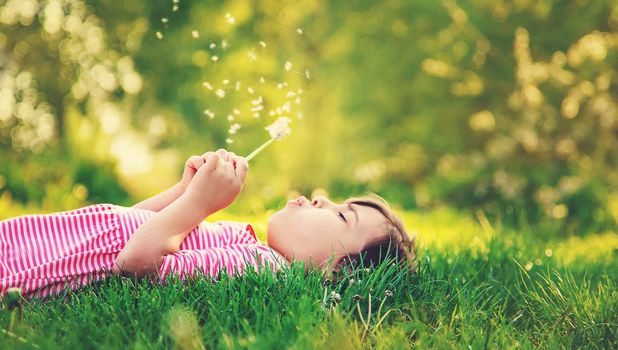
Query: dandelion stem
pixel 259 149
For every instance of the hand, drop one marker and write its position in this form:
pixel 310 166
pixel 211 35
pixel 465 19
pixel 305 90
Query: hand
pixel 196 161
pixel 218 181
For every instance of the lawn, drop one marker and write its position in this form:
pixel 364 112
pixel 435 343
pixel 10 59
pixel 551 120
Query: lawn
pixel 477 285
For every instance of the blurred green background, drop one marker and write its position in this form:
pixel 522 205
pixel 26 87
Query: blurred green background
pixel 509 107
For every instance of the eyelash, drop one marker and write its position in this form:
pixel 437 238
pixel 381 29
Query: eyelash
pixel 343 217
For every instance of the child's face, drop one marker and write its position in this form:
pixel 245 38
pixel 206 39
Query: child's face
pixel 315 231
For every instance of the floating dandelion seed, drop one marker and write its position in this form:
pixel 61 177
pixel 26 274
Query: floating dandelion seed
pixel 164 20
pixel 237 86
pixel 280 86
pixel 212 45
pixel 220 93
pixel 175 8
pixel 236 111
pixel 233 128
pixel 224 44
pixel 277 130
pixel 225 81
pixel 290 94
pixel 262 44
pixel 195 34
pixel 252 56
pixel 297 100
pixel 207 85
pixel 230 117
pixel 228 140
pixel 215 58
pixel 257 101
pixel 307 74
pixel 299 31
pixel 209 113
pixel 250 90
pixel 288 65
pixel 230 19
pixel 159 35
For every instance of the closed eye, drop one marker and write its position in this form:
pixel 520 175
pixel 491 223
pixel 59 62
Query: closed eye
pixel 343 217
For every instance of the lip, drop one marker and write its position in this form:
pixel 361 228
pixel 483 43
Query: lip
pixel 299 202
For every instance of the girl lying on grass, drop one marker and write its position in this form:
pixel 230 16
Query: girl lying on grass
pixel 166 234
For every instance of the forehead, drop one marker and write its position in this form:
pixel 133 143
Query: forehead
pixel 368 216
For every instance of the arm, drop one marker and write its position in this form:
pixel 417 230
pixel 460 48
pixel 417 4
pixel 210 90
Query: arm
pixel 159 236
pixel 214 186
pixel 161 200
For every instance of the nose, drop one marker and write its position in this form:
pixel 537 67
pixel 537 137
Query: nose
pixel 321 202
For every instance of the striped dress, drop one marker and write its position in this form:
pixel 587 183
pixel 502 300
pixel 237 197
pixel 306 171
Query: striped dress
pixel 43 253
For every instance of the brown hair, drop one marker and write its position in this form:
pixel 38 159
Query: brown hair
pixel 396 243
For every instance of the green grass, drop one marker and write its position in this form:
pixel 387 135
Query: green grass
pixel 476 287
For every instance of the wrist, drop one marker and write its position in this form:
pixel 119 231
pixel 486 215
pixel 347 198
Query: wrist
pixel 196 202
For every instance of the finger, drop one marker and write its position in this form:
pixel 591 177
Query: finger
pixel 242 167
pixel 212 161
pixel 222 153
pixel 194 162
pixel 233 159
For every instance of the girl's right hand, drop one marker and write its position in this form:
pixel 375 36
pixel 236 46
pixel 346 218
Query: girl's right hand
pixel 218 181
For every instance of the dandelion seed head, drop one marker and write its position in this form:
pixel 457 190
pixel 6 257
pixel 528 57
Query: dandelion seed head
pixel 175 8
pixel 220 93
pixel 230 117
pixel 288 65
pixel 548 252
pixel 159 35
pixel 195 34
pixel 279 129
pixel 214 58
pixel 212 45
pixel 229 140
pixel 528 266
